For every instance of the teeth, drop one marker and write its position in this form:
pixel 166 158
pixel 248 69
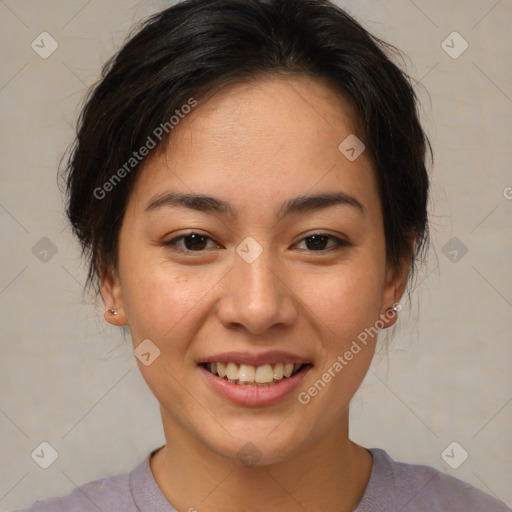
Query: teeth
pixel 264 374
pixel 278 371
pixel 288 369
pixel 232 371
pixel 221 370
pixel 248 374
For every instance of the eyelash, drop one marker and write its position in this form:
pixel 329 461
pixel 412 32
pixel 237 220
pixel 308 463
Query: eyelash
pixel 173 243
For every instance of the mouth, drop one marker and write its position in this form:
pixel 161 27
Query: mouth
pixel 264 375
pixel 254 379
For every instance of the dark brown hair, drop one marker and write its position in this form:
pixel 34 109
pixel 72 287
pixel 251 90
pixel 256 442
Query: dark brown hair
pixel 196 46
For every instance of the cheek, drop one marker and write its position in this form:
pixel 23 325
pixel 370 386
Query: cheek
pixel 163 305
pixel 158 295
pixel 347 297
pixel 347 305
pixel 161 300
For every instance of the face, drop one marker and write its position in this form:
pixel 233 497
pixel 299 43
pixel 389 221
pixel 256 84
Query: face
pixel 255 282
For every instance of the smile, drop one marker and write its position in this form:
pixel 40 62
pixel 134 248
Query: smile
pixel 249 375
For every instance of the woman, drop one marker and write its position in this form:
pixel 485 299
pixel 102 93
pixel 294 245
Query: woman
pixel 249 183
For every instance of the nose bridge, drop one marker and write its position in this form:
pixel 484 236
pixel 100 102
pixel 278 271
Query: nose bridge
pixel 256 296
pixel 258 275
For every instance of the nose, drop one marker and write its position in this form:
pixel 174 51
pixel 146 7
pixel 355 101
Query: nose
pixel 258 295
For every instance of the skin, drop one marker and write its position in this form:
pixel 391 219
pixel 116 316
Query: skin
pixel 256 145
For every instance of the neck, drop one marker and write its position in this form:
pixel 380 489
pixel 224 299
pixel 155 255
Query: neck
pixel 330 474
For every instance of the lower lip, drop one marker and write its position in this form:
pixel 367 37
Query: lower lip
pixel 255 395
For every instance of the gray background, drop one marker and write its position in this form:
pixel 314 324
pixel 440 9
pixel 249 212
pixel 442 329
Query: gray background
pixel 70 379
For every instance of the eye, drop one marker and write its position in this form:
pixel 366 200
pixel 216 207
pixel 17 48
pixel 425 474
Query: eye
pixel 317 242
pixel 196 242
pixel 193 242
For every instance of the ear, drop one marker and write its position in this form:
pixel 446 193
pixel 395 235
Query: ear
pixel 111 293
pixel 396 281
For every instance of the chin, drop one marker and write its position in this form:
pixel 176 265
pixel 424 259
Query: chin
pixel 261 443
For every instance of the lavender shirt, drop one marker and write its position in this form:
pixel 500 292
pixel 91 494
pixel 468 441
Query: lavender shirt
pixel 393 487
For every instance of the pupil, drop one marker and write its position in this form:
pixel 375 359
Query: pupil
pixel 318 244
pixel 195 240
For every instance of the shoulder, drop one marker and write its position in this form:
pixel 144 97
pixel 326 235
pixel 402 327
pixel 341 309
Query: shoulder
pixel 416 488
pixel 110 493
pixel 128 492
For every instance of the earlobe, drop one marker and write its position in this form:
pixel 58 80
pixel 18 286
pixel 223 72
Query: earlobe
pixel 395 288
pixel 110 290
pixel 389 318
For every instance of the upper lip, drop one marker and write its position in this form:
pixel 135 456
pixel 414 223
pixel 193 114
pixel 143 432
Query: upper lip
pixel 269 357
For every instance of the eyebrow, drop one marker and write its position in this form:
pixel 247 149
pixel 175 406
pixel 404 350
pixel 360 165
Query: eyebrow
pixel 209 204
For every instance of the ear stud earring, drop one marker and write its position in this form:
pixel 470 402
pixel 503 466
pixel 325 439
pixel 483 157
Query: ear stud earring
pixel 111 310
pixel 394 310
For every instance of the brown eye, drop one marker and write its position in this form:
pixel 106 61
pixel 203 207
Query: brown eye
pixel 318 242
pixel 192 242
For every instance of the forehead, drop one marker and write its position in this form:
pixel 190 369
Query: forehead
pixel 251 142
pixel 275 112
